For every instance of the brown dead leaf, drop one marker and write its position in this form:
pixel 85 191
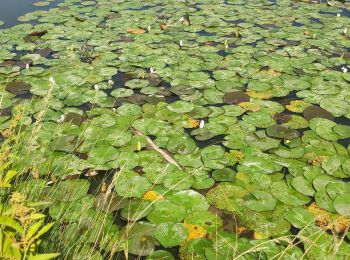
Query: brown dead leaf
pixel 164 26
pixel 330 221
pixel 318 160
pixel 136 30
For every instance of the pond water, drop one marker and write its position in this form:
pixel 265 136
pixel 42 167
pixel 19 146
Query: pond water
pixel 201 129
pixel 10 10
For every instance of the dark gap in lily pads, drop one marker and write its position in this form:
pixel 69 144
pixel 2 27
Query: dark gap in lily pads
pixel 317 112
pixel 345 12
pixel 292 95
pixel 269 26
pixel 18 87
pixel 294 23
pixel 86 107
pixel 222 53
pixel 45 52
pixel 172 98
pixel 205 33
pixel 316 20
pixel 237 21
pixel 118 220
pixel 6 111
pixel 344 142
pixel 292 43
pixel 97 180
pixel 27 95
pixel 216 140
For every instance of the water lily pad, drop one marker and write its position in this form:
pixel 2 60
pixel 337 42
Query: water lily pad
pixel 136 209
pixel 132 186
pixel 281 131
pixel 341 204
pixel 191 200
pixel 236 97
pixel 281 191
pixel 227 196
pixel 171 234
pixel 166 211
pixel 180 107
pixel 225 174
pixel 260 201
pixel 160 255
pixel 299 217
pixel 137 83
pixel 302 185
pixel 140 239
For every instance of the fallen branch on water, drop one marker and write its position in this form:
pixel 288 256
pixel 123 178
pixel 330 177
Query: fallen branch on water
pixel 155 147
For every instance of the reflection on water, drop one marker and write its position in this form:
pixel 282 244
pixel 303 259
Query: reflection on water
pixel 10 10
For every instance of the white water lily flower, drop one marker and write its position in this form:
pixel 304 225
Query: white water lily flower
pixel 61 119
pixel 338 14
pixel 182 19
pixel 226 46
pixel 96 87
pixel 181 43
pixel 151 70
pixel 149 28
pixel 344 69
pixel 345 30
pixel 201 124
pixel 114 109
pixel 110 82
pixel 27 66
pixel 52 80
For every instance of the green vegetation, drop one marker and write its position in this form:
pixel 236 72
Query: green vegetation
pixel 171 129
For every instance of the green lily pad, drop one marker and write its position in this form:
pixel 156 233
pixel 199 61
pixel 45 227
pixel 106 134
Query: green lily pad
pixel 140 238
pixel 281 191
pixel 131 186
pixel 181 107
pixel 160 255
pixel 227 196
pixel 171 234
pixel 166 211
pixel 260 201
pixel 299 217
pixel 191 200
pixel 341 204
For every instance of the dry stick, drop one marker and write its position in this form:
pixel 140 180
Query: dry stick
pixel 153 146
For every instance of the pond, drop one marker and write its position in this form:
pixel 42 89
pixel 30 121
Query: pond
pixel 180 129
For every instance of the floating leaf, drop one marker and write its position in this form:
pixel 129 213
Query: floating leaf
pixel 171 234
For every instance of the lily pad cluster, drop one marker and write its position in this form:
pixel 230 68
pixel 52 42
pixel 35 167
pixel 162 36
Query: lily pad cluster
pixel 212 129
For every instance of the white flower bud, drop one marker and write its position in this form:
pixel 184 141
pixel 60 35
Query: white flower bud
pixel 344 69
pixel 61 119
pixel 96 87
pixel 201 124
pixel 181 43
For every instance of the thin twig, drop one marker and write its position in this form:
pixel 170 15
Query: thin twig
pixel 155 147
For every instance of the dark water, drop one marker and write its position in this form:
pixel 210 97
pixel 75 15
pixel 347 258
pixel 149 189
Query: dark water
pixel 10 10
